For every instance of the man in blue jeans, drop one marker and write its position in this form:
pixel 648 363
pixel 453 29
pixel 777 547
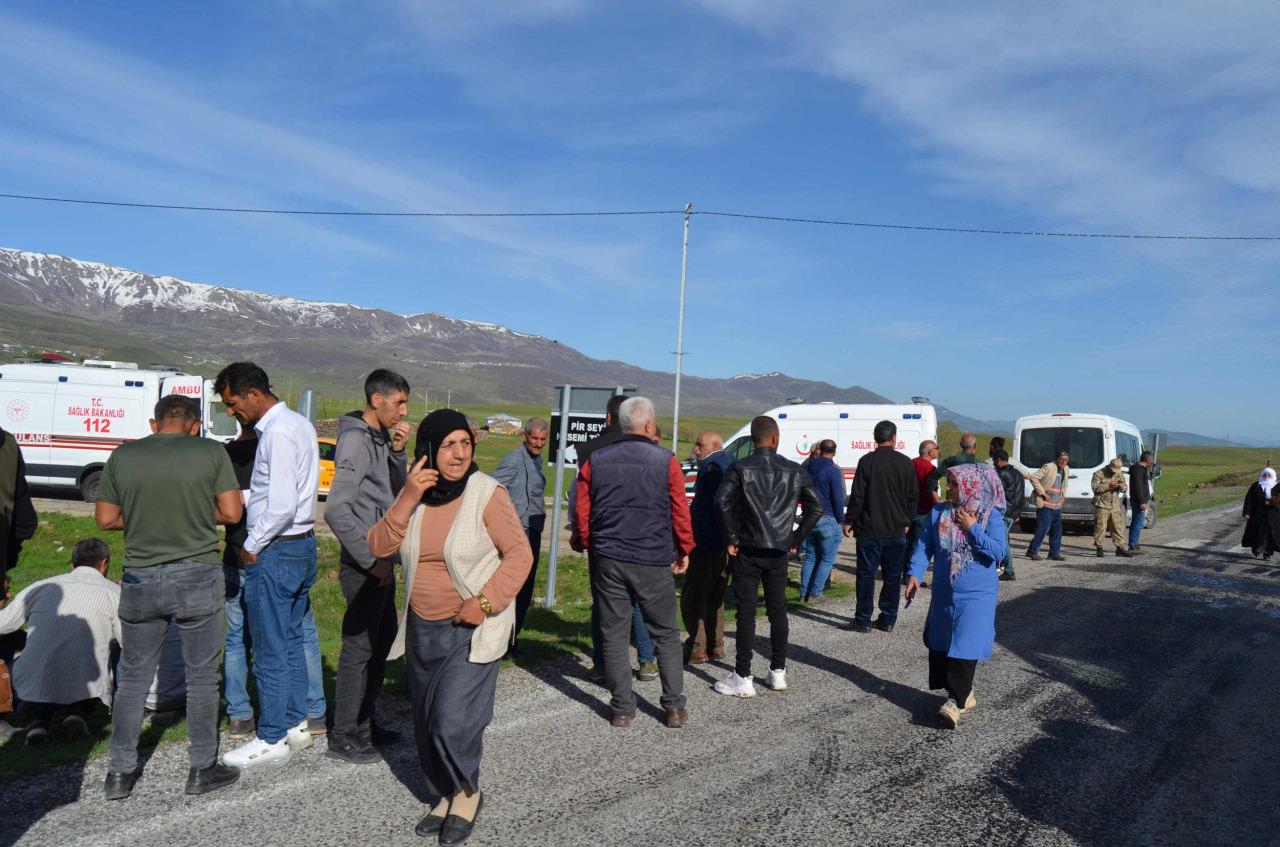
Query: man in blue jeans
pixel 235 660
pixel 1139 497
pixel 1050 487
pixel 168 492
pixel 279 560
pixel 823 543
pixel 882 505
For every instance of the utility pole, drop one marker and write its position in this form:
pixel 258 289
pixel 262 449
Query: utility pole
pixel 448 403
pixel 684 271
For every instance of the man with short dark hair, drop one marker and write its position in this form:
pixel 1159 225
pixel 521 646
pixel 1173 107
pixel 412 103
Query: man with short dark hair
pixel 18 520
pixel 756 504
pixel 521 473
pixel 702 598
pixel 279 555
pixel 997 445
pixel 168 492
pixel 1139 498
pixel 882 506
pixel 822 544
pixel 369 471
pixel 71 627
pixel 1050 486
pixel 633 513
pixel 1015 497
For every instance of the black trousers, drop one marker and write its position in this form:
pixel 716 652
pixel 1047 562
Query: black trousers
pixel 525 597
pixel 368 629
pixel 750 569
pixel 955 675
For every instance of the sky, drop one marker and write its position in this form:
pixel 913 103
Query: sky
pixel 1156 118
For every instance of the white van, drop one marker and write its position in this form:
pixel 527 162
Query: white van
pixel 1092 440
pixel 849 425
pixel 67 418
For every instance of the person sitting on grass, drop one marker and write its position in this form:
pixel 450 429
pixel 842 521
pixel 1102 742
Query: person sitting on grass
pixel 71 627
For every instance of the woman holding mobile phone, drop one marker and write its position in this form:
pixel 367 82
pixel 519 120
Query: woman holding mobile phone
pixel 966 539
pixel 465 557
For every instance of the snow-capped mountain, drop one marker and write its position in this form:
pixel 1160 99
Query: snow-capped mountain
pixel 333 345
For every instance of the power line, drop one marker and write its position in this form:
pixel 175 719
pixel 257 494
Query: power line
pixel 331 212
pixel 960 230
pixel 982 231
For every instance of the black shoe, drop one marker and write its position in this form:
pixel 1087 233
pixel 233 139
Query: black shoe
pixel 1035 557
pixel 37 733
pixel 1099 552
pixel 352 753
pixel 858 626
pixel 1007 576
pixel 204 780
pixel 119 785
pixel 456 829
pixel 1123 553
pixel 430 825
pixel 882 626
pixel 1058 558
pixel 380 736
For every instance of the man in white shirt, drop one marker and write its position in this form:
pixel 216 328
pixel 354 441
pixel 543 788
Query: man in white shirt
pixel 71 625
pixel 279 558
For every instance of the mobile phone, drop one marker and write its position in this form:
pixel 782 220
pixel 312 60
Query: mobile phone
pixel 420 451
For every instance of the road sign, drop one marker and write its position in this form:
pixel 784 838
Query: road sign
pixel 582 428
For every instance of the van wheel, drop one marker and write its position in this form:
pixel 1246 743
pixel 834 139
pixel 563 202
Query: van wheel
pixel 89 486
pixel 1027 525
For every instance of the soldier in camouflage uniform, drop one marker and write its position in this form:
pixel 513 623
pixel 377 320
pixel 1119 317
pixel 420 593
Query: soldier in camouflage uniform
pixel 1108 509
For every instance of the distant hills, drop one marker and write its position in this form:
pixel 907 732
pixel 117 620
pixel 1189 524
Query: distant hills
pixel 92 309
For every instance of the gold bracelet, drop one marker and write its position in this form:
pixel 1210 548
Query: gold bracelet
pixel 485 605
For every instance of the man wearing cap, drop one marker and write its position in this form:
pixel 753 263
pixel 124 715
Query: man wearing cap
pixel 1108 511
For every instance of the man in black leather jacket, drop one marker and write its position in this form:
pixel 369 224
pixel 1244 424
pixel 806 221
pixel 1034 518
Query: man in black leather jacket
pixel 756 505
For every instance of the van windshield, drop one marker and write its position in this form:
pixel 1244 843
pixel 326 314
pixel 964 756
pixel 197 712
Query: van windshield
pixel 1041 446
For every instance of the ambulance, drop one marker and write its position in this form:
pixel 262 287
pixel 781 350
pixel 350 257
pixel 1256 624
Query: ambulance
pixel 67 418
pixel 849 425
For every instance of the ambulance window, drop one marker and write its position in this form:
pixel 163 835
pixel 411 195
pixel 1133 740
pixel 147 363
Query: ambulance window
pixel 220 424
pixel 740 448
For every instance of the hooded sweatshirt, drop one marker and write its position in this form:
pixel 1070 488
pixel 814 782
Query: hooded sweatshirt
pixel 368 475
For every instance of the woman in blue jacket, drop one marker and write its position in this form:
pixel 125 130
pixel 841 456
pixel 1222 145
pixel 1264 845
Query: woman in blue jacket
pixel 965 539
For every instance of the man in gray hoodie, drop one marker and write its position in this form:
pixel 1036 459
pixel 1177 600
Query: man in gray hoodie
pixel 369 473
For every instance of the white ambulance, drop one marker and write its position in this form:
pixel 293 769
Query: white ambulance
pixel 67 418
pixel 1091 440
pixel 849 425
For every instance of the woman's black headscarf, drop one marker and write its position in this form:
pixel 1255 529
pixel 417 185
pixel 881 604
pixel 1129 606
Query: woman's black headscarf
pixel 432 432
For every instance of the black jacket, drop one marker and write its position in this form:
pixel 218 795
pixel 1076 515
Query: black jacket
pixel 757 500
pixel 1139 484
pixel 1015 490
pixel 882 502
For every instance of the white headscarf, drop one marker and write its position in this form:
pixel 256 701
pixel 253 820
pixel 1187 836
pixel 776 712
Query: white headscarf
pixel 1267 479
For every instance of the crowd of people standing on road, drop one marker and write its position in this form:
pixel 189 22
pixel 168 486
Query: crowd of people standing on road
pixel 467 544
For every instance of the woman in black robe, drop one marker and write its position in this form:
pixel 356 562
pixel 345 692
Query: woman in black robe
pixel 1255 513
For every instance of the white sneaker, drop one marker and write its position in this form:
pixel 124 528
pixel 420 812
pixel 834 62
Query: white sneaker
pixel 258 752
pixel 776 680
pixel 735 686
pixel 950 713
pixel 299 737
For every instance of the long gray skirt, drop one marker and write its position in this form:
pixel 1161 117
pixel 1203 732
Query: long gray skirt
pixel 452 701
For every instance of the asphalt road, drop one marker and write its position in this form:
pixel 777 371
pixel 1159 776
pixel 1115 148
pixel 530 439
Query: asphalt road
pixel 1128 702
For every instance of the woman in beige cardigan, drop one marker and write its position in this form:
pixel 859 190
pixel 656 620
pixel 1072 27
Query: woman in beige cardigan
pixel 465 557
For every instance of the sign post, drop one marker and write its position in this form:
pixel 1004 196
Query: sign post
pixel 577 417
